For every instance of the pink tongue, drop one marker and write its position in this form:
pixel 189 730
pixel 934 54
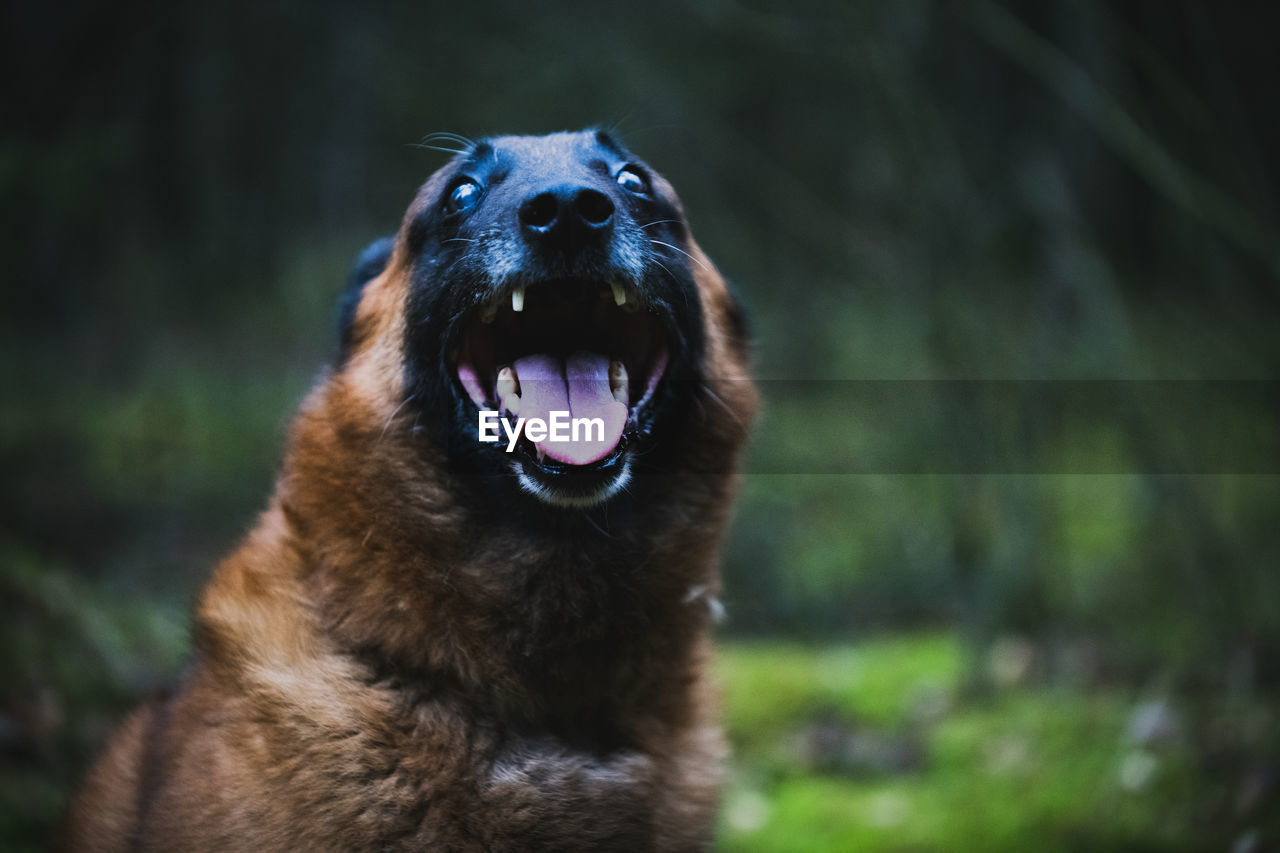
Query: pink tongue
pixel 578 386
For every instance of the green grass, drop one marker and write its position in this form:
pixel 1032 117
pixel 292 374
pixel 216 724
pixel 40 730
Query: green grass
pixel 768 685
pixel 1026 768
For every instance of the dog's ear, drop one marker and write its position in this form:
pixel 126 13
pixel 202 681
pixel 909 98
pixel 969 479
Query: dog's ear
pixel 371 262
pixel 740 331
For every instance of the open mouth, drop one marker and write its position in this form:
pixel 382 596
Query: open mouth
pixel 586 356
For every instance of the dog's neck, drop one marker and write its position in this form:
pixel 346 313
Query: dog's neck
pixel 402 582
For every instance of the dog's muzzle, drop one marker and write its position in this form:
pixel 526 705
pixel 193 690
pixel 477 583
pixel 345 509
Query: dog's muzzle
pixel 571 340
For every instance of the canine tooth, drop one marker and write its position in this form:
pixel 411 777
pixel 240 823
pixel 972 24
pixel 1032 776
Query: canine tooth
pixel 517 299
pixel 542 454
pixel 632 305
pixel 618 381
pixel 508 390
pixel 619 293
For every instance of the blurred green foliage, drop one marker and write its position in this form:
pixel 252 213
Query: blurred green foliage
pixel 907 191
pixel 876 746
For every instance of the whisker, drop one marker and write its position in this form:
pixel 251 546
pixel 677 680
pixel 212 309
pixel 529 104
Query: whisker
pixel 446 136
pixel 424 147
pixel 454 265
pixel 461 144
pixel 660 222
pixel 669 273
pixel 596 525
pixel 688 305
pixel 392 417
pixel 714 396
pixel 683 252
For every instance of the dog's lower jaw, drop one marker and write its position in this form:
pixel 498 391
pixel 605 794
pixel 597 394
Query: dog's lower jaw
pixel 570 500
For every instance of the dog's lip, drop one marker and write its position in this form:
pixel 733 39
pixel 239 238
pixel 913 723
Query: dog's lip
pixel 527 453
pixel 554 325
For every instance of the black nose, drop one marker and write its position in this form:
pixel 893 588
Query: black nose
pixel 566 214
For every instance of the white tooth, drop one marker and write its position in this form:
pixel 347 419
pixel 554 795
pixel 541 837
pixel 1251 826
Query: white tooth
pixel 517 299
pixel 618 381
pixel 632 304
pixel 508 390
pixel 619 293
pixel 542 454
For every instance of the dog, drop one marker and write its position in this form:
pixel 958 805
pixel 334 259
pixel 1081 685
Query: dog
pixel 434 639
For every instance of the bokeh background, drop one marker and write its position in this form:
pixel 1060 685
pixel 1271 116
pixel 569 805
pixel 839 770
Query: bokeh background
pixel 1005 571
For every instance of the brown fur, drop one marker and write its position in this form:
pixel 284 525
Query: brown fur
pixel 365 678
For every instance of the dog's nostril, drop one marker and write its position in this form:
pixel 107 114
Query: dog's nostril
pixel 594 207
pixel 540 211
pixel 566 213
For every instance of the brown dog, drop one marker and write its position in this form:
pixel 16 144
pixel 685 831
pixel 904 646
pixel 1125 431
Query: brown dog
pixel 434 640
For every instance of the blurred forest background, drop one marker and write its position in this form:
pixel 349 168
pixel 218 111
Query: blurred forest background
pixel 1005 574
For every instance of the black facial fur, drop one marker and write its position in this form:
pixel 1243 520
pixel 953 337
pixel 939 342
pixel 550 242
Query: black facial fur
pixel 474 244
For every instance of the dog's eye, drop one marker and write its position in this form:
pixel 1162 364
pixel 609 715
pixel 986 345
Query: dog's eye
pixel 632 181
pixel 463 197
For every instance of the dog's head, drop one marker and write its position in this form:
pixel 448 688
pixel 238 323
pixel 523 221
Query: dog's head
pixel 551 282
